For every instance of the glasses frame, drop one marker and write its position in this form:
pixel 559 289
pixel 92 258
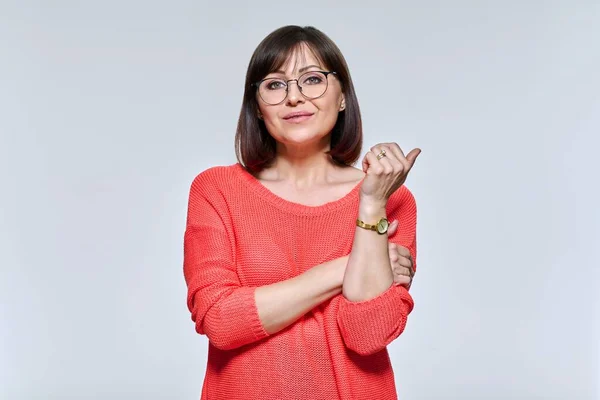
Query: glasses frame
pixel 326 73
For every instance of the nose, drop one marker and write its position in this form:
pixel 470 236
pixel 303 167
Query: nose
pixel 294 96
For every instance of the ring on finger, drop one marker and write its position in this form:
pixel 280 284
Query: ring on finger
pixel 381 155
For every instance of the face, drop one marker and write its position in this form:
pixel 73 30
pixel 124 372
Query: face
pixel 299 120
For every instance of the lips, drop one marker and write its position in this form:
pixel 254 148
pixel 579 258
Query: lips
pixel 297 114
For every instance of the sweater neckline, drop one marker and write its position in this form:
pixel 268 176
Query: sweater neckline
pixel 255 184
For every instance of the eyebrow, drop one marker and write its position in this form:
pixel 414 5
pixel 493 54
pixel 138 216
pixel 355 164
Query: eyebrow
pixel 300 70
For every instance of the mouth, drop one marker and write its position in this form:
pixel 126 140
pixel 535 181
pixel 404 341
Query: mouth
pixel 297 117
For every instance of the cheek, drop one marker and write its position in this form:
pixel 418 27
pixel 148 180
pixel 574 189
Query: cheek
pixel 330 104
pixel 329 112
pixel 271 120
pixel 269 114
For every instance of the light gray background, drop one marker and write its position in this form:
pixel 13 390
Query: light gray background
pixel 109 109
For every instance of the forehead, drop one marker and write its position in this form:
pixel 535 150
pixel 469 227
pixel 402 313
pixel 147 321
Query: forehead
pixel 300 56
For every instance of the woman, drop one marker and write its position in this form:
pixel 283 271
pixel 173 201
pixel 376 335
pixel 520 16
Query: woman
pixel 292 270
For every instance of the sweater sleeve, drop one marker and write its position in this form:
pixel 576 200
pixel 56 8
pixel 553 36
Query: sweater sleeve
pixel 369 326
pixel 222 309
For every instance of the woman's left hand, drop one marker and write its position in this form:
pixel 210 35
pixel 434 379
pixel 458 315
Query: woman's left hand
pixel 401 261
pixel 386 175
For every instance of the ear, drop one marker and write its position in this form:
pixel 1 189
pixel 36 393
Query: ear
pixel 343 104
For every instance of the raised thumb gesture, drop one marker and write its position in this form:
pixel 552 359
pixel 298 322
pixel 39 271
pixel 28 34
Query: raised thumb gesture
pixel 386 168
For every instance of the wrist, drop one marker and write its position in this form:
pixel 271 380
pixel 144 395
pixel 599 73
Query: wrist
pixel 340 270
pixel 369 210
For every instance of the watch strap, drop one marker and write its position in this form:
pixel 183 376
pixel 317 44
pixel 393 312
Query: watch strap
pixel 365 225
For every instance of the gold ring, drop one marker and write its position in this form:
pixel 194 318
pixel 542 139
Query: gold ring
pixel 381 155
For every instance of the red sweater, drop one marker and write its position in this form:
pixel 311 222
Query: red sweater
pixel 239 236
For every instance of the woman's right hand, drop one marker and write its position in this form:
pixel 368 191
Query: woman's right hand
pixel 400 260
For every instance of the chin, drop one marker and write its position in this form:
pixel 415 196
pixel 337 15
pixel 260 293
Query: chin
pixel 298 136
pixel 299 131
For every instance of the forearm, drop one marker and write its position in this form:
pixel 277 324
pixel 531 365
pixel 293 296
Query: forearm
pixel 373 311
pixel 368 272
pixel 281 304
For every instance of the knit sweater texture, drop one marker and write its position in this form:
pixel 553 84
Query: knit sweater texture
pixel 239 236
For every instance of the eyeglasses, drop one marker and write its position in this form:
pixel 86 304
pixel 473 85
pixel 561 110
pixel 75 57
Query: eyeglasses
pixel 312 84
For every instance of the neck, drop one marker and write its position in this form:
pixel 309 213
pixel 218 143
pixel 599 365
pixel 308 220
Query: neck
pixel 302 166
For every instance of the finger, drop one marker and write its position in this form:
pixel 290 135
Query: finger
pixel 412 265
pixel 395 148
pixel 377 148
pixel 405 262
pixel 388 161
pixel 367 160
pixel 403 251
pixel 401 280
pixel 402 276
pixel 394 256
pixel 386 150
pixel 402 271
pixel 392 228
pixel 365 163
pixel 391 156
pixel 388 165
pixel 374 167
pixel 409 257
pixel 412 156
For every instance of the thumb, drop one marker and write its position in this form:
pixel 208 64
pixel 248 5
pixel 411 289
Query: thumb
pixel 392 228
pixel 412 156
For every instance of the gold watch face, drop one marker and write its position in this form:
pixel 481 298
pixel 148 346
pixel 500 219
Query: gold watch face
pixel 382 225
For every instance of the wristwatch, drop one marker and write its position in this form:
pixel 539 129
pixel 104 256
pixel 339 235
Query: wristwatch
pixel 381 227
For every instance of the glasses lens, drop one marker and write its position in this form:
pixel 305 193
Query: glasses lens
pixel 272 91
pixel 313 84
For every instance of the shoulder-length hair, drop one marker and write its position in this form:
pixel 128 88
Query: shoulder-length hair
pixel 255 148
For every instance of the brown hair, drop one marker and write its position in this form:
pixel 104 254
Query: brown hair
pixel 255 148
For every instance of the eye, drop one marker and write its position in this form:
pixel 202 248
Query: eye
pixel 273 84
pixel 312 79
